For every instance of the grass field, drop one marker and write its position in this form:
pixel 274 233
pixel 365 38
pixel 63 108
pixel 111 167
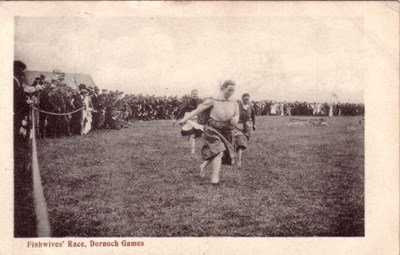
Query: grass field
pixel 295 181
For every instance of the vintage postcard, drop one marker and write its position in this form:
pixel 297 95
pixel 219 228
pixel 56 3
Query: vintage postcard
pixel 199 127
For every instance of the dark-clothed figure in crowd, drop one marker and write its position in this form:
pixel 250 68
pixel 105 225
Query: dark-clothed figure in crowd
pixel 44 104
pixel 102 102
pixel 57 105
pixel 24 216
pixel 94 97
pixel 76 120
pixel 112 109
pixel 35 97
pixel 63 103
pixel 21 101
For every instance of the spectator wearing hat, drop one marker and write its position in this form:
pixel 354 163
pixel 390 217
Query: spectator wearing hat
pixel 64 90
pixel 70 108
pixel 87 112
pixel 44 104
pixel 62 98
pixel 21 99
pixel 81 86
pixel 94 97
pixel 23 215
pixel 103 100
pixel 37 81
pixel 36 103
pixel 53 120
pixel 76 120
pixel 51 107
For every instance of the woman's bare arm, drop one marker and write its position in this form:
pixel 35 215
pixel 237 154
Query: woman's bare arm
pixel 235 119
pixel 202 107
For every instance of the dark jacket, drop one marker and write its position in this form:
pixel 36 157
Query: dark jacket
pixel 187 106
pixel 246 114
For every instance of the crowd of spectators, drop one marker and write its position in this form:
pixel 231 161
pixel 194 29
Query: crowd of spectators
pixel 64 110
pixel 307 109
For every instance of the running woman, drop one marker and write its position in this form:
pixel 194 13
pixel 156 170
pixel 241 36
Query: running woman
pixel 222 116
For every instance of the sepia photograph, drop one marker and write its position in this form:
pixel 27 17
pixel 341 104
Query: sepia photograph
pixel 127 127
pixel 192 127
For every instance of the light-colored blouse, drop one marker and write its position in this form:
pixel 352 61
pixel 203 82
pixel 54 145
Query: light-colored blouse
pixel 223 110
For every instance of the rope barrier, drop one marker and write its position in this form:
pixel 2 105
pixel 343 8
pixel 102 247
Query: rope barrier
pixel 42 218
pixel 58 114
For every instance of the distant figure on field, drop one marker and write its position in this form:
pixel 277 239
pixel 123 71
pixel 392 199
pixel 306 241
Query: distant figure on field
pixel 191 128
pixel 247 123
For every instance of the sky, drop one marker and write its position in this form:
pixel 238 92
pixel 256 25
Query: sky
pixel 275 58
